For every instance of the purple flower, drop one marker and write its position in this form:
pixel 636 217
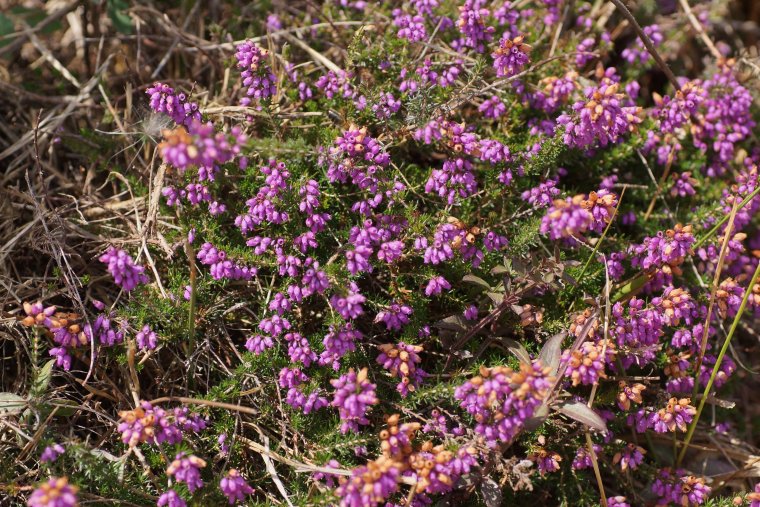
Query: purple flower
pixel 122 268
pixel 401 361
pixel 395 317
pixel 371 484
pixel 582 458
pixel 547 461
pixel 234 487
pixel 678 488
pixel 543 195
pixel 410 27
pixel 638 51
pixel 338 342
pixel 501 399
pixel 630 457
pixel 353 395
pixel 602 119
pixel 51 453
pixel 492 107
pixel 256 74
pixel 675 416
pixel 471 312
pixel 683 185
pixel 146 338
pixel 567 220
pixel 257 344
pixel 221 266
pixel 436 285
pixel 511 56
pixel 171 498
pixel 454 180
pixel 187 469
pixel 163 99
pixel 349 304
pixel 154 425
pixel 617 501
pixel 56 492
pixel 586 365
pixel 202 146
pixel 472 24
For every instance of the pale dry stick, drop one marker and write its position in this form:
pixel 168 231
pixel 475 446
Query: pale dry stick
pixel 23 34
pixel 208 403
pixel 316 55
pixel 700 29
pixel 53 120
pixel 168 54
pixel 714 290
pixel 647 43
pixel 273 472
pixel 48 56
pixel 111 109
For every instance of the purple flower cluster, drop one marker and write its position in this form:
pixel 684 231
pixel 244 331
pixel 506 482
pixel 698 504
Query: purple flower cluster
pixel 353 395
pixel 676 112
pixel 386 106
pixel 338 342
pixel 51 453
pixel 453 181
pixel 542 195
pixel 567 220
pixel 263 208
pixel 126 274
pixel 164 100
pixel 187 469
pixel 234 487
pixel 370 485
pixel 472 24
pixel 666 248
pixel 154 425
pixel 401 361
pixel 586 365
pixel 511 56
pixel 683 185
pixel 146 338
pixel 221 266
pixel 630 457
pixel 676 415
pixel 395 317
pixel 292 379
pixel 492 107
pixel 602 119
pixel 349 303
pixel 171 498
pixel 678 488
pixel 56 492
pixel 257 76
pixel 637 52
pixel 410 27
pixel 501 400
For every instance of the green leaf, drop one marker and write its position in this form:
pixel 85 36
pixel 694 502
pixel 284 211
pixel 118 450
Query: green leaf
pixel 476 280
pixel 582 413
pixel 552 352
pixel 42 381
pixel 517 349
pixel 117 11
pixel 11 404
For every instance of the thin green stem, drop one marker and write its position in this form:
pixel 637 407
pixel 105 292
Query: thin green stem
pixel 718 362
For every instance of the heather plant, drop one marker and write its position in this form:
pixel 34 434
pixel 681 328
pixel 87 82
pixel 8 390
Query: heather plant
pixel 407 253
